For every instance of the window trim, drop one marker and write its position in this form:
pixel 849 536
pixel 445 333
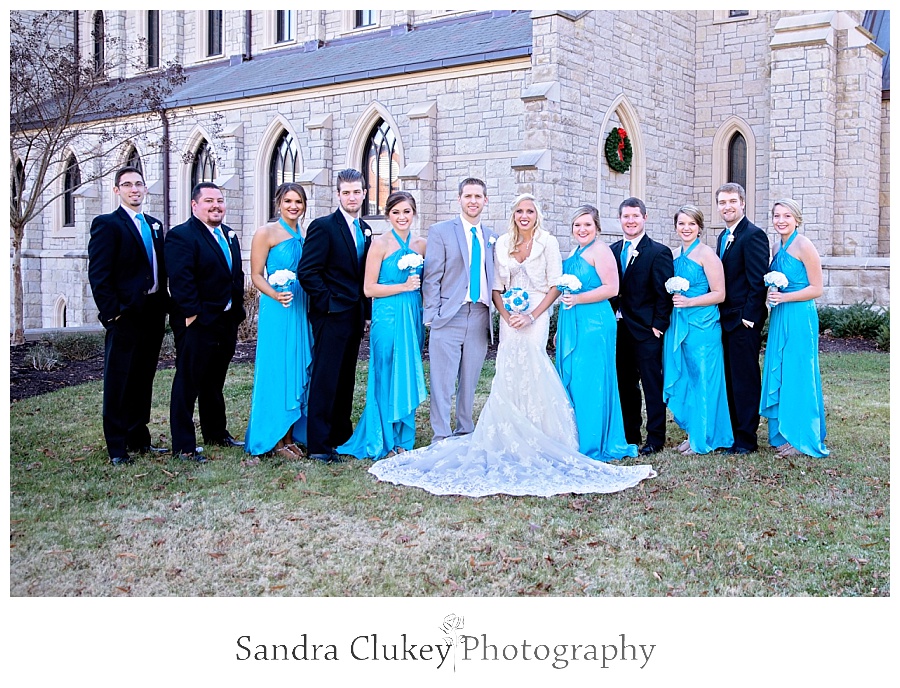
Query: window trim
pixel 203 29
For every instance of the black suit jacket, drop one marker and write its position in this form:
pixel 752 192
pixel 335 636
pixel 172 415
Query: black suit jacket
pixel 643 299
pixel 329 271
pixel 745 262
pixel 119 271
pixel 199 279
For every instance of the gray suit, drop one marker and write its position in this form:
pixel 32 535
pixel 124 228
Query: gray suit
pixel 458 341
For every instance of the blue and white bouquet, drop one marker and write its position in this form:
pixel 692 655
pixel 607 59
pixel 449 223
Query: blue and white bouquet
pixel 515 300
pixel 677 285
pixel 568 284
pixel 411 261
pixel 282 280
pixel 775 281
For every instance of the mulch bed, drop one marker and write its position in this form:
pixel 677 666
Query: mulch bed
pixel 27 382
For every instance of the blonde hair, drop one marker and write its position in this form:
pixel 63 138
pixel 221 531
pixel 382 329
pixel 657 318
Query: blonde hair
pixel 513 228
pixel 586 209
pixel 692 212
pixel 792 206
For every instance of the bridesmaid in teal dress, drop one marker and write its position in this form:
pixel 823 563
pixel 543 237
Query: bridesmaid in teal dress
pixel 791 384
pixel 693 359
pixel 284 337
pixel 396 383
pixel 586 343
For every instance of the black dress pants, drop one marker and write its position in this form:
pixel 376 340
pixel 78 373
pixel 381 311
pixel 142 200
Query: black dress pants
pixel 202 355
pixel 639 366
pixel 743 384
pixel 131 354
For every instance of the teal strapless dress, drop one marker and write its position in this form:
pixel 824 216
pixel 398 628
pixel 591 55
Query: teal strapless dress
pixel 586 363
pixel 396 383
pixel 283 358
pixel 791 384
pixel 694 366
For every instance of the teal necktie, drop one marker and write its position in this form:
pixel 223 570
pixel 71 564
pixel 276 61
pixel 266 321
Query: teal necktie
pixel 623 258
pixel 224 245
pixel 475 268
pixel 724 242
pixel 360 241
pixel 145 234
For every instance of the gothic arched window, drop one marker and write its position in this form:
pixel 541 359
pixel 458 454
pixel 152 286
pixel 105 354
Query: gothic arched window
pixel 204 167
pixel 381 167
pixel 98 35
pixel 133 159
pixel 71 182
pixel 737 160
pixel 283 165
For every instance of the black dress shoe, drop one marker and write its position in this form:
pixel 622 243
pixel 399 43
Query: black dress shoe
pixel 227 441
pixel 120 460
pixel 739 450
pixel 648 449
pixel 333 457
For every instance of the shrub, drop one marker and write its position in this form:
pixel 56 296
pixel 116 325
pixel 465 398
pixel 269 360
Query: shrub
pixel 77 346
pixel 883 340
pixel 247 329
pixel 862 319
pixel 44 356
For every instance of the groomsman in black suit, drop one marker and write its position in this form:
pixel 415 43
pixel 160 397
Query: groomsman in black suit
pixel 331 272
pixel 207 283
pixel 744 250
pixel 643 308
pixel 127 272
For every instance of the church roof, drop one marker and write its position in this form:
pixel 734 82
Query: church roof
pixel 463 41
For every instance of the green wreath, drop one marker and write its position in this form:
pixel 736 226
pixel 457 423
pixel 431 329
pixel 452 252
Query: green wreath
pixel 618 150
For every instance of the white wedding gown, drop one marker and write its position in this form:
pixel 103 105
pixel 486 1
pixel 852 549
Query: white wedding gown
pixel 525 441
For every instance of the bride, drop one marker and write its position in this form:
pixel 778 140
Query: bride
pixel 525 441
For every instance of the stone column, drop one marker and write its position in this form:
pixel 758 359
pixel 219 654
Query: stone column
pixel 317 176
pixel 417 175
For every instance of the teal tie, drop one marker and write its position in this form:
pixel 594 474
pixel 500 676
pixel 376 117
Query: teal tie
pixel 224 245
pixel 145 234
pixel 623 258
pixel 724 242
pixel 360 241
pixel 475 268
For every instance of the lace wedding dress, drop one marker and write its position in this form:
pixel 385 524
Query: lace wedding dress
pixel 525 441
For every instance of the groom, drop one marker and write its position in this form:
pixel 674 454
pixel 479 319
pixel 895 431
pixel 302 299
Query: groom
pixel 456 288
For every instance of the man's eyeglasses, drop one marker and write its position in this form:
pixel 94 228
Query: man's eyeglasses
pixel 136 185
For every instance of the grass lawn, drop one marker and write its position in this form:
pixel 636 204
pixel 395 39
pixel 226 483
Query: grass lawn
pixel 707 525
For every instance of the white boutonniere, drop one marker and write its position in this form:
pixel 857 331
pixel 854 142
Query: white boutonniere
pixel 491 241
pixel 231 234
pixel 367 232
pixel 730 240
pixel 634 255
pixel 155 228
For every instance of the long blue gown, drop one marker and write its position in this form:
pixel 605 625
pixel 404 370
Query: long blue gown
pixel 586 363
pixel 791 384
pixel 396 383
pixel 283 358
pixel 694 365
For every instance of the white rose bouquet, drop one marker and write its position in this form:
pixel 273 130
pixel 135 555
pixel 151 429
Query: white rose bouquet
pixel 677 285
pixel 568 284
pixel 775 281
pixel 411 261
pixel 282 280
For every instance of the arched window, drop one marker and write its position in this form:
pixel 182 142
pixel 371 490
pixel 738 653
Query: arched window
pixel 284 164
pixel 133 159
pixel 204 168
pixel 98 35
pixel 737 159
pixel 381 167
pixel 59 312
pixel 71 182
pixel 152 39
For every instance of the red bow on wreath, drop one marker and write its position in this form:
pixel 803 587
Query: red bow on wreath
pixel 621 150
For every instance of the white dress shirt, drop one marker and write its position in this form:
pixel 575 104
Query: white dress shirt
pixel 467 231
pixel 133 215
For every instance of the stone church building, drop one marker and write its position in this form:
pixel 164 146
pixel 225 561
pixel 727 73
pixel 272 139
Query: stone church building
pixel 788 103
